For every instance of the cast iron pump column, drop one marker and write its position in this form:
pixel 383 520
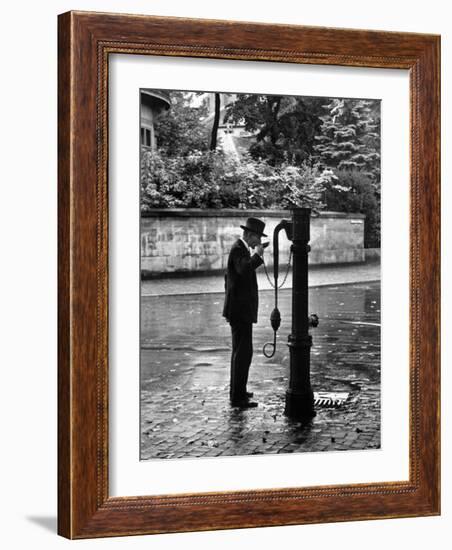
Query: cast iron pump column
pixel 299 396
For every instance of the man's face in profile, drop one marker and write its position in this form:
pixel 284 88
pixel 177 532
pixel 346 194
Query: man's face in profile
pixel 253 239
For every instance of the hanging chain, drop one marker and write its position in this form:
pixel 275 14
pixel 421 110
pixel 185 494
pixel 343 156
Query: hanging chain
pixel 285 276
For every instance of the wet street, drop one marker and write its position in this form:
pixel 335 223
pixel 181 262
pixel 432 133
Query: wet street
pixel 185 361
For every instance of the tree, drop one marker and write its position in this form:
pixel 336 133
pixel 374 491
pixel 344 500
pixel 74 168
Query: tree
pixel 353 191
pixel 284 127
pixel 349 137
pixel 179 130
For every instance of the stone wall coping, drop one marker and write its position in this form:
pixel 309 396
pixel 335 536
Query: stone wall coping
pixel 237 213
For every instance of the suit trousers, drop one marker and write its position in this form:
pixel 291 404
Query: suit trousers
pixel 242 353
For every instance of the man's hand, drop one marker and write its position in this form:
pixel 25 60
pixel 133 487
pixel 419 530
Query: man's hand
pixel 259 250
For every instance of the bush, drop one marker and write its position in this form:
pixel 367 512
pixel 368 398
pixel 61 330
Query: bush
pixel 353 191
pixel 179 182
pixel 212 179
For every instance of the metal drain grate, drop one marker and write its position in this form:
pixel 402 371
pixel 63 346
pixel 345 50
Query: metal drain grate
pixel 327 399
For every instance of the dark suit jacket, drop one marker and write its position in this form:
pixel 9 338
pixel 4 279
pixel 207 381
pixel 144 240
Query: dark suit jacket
pixel 241 300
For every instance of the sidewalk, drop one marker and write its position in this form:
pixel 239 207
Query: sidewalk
pixel 318 276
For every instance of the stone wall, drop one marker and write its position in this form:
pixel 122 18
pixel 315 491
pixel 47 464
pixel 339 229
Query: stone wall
pixel 197 240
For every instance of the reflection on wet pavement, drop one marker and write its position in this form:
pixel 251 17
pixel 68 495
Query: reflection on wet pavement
pixel 185 359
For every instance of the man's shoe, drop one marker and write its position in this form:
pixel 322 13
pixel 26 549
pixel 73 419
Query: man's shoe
pixel 244 404
pixel 249 394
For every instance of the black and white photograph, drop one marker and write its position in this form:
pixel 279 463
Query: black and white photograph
pixel 260 274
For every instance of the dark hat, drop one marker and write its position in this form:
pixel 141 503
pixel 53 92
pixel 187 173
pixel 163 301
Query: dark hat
pixel 255 225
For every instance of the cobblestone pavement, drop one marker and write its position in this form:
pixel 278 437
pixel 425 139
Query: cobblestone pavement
pixel 185 361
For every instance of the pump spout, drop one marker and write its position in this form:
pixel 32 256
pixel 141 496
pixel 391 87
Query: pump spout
pixel 287 226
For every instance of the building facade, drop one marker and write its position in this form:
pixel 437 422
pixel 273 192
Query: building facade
pixel 152 103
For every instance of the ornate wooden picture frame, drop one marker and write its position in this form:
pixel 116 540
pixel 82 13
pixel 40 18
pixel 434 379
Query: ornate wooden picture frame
pixel 86 40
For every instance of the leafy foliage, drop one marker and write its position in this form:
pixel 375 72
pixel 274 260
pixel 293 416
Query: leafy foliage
pixel 349 137
pixel 284 126
pixel 353 191
pixel 303 151
pixel 212 179
pixel 178 130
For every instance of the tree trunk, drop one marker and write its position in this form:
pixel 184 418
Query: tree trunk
pixel 216 122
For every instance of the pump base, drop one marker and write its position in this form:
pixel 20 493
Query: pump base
pixel 300 406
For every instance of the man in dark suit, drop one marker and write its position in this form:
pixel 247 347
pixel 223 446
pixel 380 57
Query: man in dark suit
pixel 241 305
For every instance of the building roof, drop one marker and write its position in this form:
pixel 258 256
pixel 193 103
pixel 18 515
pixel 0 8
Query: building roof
pixel 157 98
